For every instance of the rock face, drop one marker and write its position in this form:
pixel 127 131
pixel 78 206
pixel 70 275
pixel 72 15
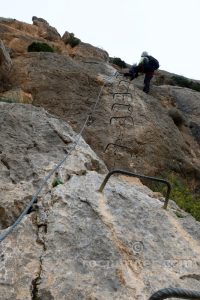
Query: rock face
pixel 69 89
pixel 78 243
pixel 45 30
pixel 27 152
pixel 68 82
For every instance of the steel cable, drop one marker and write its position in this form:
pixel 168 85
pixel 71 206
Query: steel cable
pixel 14 225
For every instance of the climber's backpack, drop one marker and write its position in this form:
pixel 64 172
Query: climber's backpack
pixel 153 63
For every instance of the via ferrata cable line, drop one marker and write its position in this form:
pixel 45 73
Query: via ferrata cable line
pixel 27 208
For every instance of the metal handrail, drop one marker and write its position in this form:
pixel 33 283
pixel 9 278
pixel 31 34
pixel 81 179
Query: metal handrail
pixel 175 293
pixel 117 171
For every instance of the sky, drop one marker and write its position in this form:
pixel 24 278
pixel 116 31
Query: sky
pixel 167 29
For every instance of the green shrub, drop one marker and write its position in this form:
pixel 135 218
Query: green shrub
pixel 181 194
pixel 7 100
pixel 72 40
pixel 117 61
pixel 40 47
pixel 185 199
pixel 185 82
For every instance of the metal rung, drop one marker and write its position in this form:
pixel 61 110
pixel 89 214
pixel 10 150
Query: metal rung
pixel 124 117
pixel 138 176
pixel 120 146
pixel 130 108
pixel 126 81
pixel 123 94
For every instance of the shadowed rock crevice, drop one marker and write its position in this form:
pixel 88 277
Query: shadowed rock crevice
pixel 40 220
pixel 4 218
pixel 5 163
pixel 34 288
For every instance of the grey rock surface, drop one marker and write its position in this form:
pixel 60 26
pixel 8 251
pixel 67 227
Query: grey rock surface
pixel 32 143
pixel 67 83
pixel 78 243
pixel 120 245
pixel 69 88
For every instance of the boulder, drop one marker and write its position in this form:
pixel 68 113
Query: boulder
pixel 45 30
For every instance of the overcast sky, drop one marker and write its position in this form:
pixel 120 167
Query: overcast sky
pixel 167 29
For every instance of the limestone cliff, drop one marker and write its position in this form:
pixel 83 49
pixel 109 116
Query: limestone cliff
pixel 67 83
pixel 76 243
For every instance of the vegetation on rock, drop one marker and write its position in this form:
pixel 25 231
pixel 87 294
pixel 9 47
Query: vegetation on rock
pixel 184 197
pixel 72 40
pixel 7 100
pixel 185 82
pixel 117 61
pixel 40 47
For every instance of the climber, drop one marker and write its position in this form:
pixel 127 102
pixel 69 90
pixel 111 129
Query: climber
pixel 132 73
pixel 56 180
pixel 147 65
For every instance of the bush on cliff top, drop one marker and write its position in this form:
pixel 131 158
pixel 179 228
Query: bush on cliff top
pixel 40 47
pixel 72 40
pixel 117 61
pixel 185 82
